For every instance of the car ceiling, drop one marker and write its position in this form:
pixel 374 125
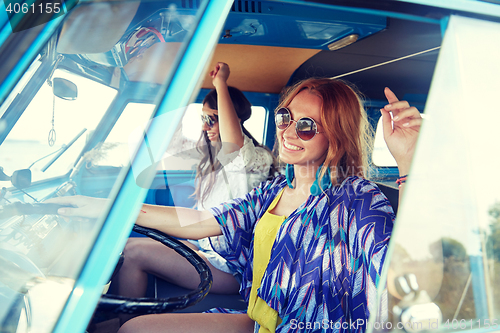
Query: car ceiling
pixel 400 38
pixel 409 78
pixel 404 35
pixel 279 58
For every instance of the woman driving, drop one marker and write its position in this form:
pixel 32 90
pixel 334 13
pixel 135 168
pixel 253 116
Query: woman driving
pixel 232 163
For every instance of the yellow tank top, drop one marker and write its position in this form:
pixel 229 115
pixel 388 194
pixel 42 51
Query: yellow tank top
pixel 264 236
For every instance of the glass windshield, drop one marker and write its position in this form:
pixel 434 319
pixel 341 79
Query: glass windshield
pixel 49 124
pixel 68 129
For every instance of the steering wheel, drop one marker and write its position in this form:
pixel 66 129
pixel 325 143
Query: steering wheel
pixel 120 304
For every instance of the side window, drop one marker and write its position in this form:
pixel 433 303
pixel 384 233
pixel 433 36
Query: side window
pixel 381 156
pixel 182 148
pixel 115 151
pixel 255 125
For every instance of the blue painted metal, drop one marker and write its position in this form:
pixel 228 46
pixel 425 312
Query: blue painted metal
pixel 129 197
pixel 369 11
pixel 172 188
pixel 5 29
pixel 296 24
pixel 444 24
pixel 478 286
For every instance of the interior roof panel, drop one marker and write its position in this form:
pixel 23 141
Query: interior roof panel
pixel 404 7
pixel 401 38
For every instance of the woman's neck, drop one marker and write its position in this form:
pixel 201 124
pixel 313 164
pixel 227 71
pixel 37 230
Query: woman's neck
pixel 304 177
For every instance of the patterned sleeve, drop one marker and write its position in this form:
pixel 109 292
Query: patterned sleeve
pixel 370 222
pixel 237 219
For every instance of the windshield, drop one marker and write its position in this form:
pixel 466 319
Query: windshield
pixel 69 128
pixel 50 123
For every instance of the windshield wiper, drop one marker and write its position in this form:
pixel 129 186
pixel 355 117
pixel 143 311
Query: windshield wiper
pixel 63 149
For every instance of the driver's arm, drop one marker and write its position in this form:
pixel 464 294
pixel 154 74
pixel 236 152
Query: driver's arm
pixel 175 221
pixel 179 221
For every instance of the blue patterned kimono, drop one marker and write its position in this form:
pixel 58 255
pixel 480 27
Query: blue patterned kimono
pixel 326 259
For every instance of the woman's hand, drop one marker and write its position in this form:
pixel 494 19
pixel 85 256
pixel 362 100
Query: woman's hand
pixel 196 224
pixel 400 132
pixel 220 74
pixel 80 206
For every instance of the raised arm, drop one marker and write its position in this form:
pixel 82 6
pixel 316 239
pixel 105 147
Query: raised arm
pixel 229 123
pixel 175 221
pixel 400 132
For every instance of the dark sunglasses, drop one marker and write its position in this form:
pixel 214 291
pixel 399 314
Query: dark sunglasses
pixel 305 127
pixel 209 120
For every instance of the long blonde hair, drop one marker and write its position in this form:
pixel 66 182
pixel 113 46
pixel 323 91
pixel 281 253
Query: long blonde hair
pixel 345 125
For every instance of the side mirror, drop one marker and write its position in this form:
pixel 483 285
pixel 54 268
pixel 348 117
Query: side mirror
pixel 21 178
pixel 415 311
pixel 64 89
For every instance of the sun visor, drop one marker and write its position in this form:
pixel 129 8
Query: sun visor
pixel 96 27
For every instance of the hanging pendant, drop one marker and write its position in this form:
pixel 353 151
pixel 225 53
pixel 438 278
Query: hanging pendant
pixel 52 137
pixel 52 132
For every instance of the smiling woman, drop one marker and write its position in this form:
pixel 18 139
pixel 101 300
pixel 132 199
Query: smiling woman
pixel 265 234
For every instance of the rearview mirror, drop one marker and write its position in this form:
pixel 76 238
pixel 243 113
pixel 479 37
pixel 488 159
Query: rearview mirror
pixel 64 89
pixel 21 178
